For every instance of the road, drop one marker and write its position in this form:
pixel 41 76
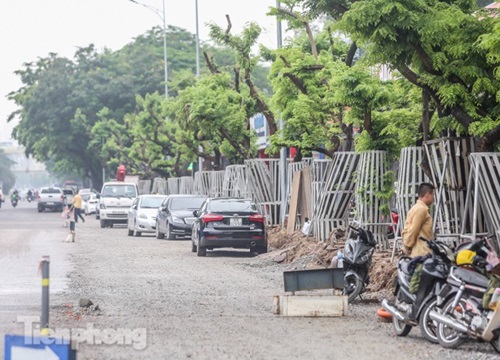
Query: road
pixel 157 300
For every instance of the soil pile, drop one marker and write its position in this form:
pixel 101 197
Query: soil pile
pixel 297 248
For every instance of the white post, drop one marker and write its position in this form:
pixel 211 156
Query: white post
pixel 200 148
pixel 165 49
pixel 283 164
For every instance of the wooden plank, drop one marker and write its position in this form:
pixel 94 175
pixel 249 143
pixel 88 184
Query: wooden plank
pixel 305 195
pixel 294 202
pixel 311 305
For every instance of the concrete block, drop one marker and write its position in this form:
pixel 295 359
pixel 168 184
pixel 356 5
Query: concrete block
pixel 311 305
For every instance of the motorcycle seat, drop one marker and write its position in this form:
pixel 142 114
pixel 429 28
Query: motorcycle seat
pixel 471 277
pixel 404 264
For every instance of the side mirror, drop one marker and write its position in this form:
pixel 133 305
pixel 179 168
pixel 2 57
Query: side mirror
pixel 98 196
pixel 195 213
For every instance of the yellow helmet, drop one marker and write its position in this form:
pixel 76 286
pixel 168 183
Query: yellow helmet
pixel 465 257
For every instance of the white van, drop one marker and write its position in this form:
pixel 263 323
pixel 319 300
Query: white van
pixel 114 202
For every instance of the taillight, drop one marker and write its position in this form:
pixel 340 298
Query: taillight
pixel 257 218
pixel 211 217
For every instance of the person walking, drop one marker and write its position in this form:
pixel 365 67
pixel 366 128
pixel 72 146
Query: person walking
pixel 77 204
pixel 419 223
pixel 416 232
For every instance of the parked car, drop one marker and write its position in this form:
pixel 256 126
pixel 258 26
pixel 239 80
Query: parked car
pixel 142 214
pixel 68 196
pixel 114 201
pixel 175 216
pixel 229 222
pixel 90 203
pixel 51 198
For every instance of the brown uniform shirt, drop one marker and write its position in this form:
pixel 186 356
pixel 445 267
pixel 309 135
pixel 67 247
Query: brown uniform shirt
pixel 418 223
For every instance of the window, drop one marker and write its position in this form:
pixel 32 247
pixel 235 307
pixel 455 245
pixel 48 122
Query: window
pixel 119 191
pixel 228 205
pixel 180 203
pixel 151 202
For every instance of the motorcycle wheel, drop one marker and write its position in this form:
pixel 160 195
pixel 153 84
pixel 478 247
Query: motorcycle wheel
pixel 352 287
pixel 448 337
pixel 400 327
pixel 428 328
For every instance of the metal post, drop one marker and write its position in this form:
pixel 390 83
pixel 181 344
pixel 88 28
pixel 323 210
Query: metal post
pixel 197 40
pixel 45 295
pixel 163 17
pixel 283 172
pixel 165 49
pixel 103 164
pixel 200 148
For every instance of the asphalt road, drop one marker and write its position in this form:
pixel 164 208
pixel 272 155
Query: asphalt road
pixel 163 302
pixel 26 236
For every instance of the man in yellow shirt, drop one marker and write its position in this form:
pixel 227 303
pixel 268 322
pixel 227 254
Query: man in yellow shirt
pixel 419 223
pixel 77 204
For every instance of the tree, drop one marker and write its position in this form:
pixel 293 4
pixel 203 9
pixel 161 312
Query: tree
pixel 7 177
pixel 434 45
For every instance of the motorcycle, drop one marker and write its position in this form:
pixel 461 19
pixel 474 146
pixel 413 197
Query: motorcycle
pixel 462 316
pixel 435 268
pixel 14 201
pixel 357 258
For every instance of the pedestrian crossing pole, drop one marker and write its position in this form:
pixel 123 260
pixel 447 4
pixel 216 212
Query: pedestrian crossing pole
pixel 44 328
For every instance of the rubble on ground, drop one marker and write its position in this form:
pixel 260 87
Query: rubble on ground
pixel 311 254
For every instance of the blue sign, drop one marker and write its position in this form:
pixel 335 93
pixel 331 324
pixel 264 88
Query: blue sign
pixel 37 348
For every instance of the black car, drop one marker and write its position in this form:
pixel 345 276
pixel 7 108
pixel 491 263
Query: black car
pixel 175 216
pixel 229 222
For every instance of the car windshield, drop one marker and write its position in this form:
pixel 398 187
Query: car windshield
pixel 85 197
pixel 232 205
pixel 151 202
pixel 119 191
pixel 68 192
pixel 186 203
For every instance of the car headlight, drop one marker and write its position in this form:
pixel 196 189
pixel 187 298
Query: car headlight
pixel 143 216
pixel 176 219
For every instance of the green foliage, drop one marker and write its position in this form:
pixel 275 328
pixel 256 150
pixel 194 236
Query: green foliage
pixel 7 177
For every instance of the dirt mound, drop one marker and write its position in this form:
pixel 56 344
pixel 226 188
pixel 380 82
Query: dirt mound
pixel 291 248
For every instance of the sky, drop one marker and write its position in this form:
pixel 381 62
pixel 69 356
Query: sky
pixel 30 29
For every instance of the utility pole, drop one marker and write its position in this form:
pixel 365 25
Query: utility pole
pixel 283 164
pixel 163 17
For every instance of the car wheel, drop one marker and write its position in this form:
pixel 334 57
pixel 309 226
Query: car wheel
pixel 130 232
pixel 201 251
pixel 136 233
pixel 40 209
pixel 193 247
pixel 169 234
pixel 103 224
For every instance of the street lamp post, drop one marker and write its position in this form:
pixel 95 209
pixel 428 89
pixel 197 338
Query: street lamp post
pixel 200 148
pixel 163 17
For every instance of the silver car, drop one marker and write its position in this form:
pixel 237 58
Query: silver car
pixel 142 214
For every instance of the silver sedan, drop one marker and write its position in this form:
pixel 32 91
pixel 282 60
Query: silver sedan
pixel 142 214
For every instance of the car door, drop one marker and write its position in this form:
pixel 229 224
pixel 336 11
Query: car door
pixel 132 213
pixel 162 216
pixel 196 227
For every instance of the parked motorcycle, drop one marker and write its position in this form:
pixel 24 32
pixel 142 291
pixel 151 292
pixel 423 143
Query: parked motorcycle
pixel 435 270
pixel 462 316
pixel 357 258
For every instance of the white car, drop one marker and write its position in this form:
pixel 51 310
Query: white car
pixel 90 203
pixel 142 214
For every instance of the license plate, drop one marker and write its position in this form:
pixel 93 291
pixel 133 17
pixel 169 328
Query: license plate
pixel 235 221
pixel 116 212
